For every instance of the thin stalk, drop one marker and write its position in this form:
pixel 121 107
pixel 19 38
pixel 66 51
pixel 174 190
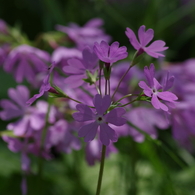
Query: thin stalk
pixel 101 170
pixel 106 86
pixel 128 103
pixel 121 81
pixel 97 88
pixel 109 87
pixel 100 81
pixel 42 143
pixel 86 91
pixel 123 97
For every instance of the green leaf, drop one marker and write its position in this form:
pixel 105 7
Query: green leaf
pixel 7 133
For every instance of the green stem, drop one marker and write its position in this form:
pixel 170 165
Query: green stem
pixel 128 103
pixel 121 81
pixel 100 77
pixel 101 170
pixel 128 95
pixel 42 143
pixel 106 86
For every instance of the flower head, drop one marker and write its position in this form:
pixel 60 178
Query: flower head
pixel 44 87
pixel 25 62
pixel 87 34
pixel 144 38
pixel 110 54
pixel 77 68
pixel 99 119
pixel 154 90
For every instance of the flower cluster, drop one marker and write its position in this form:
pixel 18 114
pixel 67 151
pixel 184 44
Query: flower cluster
pixel 91 94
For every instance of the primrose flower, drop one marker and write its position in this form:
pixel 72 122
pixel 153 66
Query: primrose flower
pixel 25 61
pixel 144 38
pixel 154 90
pixel 44 87
pixel 99 119
pixel 110 54
pixel 77 68
pixel 87 34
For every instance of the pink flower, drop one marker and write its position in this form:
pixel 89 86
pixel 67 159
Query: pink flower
pixel 144 38
pixel 110 54
pixel 154 90
pixel 99 119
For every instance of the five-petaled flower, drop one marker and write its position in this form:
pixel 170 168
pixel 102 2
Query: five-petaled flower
pixel 99 119
pixel 110 54
pixel 144 38
pixel 154 90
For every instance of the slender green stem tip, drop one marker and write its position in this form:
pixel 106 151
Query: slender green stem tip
pixel 101 170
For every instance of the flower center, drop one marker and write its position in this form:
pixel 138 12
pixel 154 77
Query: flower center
pixel 99 119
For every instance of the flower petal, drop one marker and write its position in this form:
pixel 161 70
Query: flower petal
pixel 107 134
pixel 157 104
pixel 167 95
pixel 114 117
pixel 101 104
pixel 74 80
pixel 84 114
pixel 132 38
pixel 145 37
pixel 149 74
pixel 147 90
pixel 88 131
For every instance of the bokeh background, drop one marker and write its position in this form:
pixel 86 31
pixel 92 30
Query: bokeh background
pixel 147 168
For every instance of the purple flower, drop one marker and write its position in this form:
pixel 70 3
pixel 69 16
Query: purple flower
pixel 62 54
pixel 99 119
pixel 87 34
pixel 154 90
pixel 146 119
pixel 44 87
pixel 4 50
pixel 110 54
pixel 144 38
pixel 31 118
pixel 62 138
pixel 25 62
pixel 77 68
